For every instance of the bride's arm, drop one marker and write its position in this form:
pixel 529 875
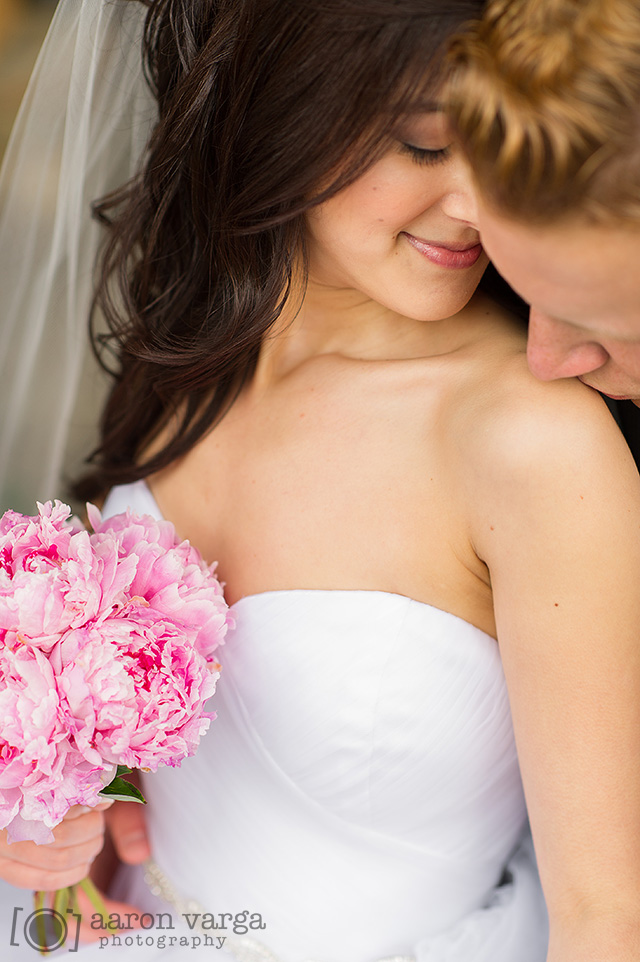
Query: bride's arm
pixel 557 521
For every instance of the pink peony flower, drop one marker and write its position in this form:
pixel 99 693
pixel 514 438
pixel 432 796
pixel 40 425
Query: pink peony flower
pixel 171 577
pixel 106 657
pixel 41 774
pixel 135 690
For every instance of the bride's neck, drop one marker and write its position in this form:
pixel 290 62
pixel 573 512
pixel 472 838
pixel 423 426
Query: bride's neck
pixel 346 323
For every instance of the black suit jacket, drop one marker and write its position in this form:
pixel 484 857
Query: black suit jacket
pixel 628 417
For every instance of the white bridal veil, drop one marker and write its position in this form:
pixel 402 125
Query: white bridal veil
pixel 82 127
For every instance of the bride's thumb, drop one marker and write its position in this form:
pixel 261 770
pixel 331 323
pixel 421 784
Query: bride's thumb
pixel 126 822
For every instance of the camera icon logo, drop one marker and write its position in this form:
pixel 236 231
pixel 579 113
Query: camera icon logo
pixel 46 930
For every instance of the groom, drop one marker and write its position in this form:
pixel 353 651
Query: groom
pixel 546 102
pixel 547 105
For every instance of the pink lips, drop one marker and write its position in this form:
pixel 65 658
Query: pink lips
pixel 449 255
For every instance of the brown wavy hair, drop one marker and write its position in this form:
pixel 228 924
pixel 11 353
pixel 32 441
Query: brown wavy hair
pixel 545 97
pixel 259 101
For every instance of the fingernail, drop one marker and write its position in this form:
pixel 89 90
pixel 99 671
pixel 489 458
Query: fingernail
pixel 134 838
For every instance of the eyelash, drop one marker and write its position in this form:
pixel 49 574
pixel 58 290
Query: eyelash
pixel 423 156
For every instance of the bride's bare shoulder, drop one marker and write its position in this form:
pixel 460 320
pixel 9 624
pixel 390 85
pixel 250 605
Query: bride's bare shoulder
pixel 521 438
pixel 523 417
pixel 507 428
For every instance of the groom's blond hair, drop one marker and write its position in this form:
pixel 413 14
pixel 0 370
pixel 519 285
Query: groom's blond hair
pixel 545 97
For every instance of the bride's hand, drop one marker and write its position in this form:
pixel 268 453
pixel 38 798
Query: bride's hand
pixel 78 839
pixel 126 823
pixel 126 841
pixel 79 850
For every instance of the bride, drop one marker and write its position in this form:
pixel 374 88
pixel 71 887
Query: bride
pixel 434 584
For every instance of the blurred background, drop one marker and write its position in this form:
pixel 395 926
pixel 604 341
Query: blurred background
pixel 23 24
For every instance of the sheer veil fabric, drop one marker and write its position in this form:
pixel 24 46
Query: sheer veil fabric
pixel 81 131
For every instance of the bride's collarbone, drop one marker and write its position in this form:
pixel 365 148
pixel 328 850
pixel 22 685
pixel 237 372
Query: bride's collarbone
pixel 357 514
pixel 330 488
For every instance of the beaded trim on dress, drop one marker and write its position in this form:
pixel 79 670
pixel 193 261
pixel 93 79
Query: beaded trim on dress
pixel 244 950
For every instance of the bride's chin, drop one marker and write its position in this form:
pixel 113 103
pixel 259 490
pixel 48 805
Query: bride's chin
pixel 432 308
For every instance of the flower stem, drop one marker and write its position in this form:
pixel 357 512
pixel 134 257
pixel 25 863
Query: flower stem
pixel 96 900
pixel 41 932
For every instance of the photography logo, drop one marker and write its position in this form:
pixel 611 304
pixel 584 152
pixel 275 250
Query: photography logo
pixel 46 930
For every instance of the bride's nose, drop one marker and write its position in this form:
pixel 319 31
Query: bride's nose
pixel 460 202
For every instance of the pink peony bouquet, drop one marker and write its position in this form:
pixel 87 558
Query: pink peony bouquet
pixel 107 644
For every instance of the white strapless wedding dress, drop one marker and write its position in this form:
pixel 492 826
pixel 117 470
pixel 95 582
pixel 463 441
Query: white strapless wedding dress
pixel 358 794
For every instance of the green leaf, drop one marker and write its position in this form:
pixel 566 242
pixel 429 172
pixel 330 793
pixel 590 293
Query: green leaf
pixel 123 791
pixel 123 770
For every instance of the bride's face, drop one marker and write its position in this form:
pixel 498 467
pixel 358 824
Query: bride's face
pixel 401 233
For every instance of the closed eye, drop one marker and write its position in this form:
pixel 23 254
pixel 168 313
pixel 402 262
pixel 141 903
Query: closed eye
pixel 423 156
